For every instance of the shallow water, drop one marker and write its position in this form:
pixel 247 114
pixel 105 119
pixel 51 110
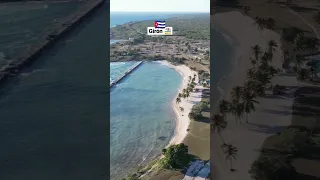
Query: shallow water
pixel 119 68
pixel 142 118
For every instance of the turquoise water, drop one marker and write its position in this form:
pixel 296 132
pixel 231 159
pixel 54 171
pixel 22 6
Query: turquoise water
pixel 141 116
pixel 119 68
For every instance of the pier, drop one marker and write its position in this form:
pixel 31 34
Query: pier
pixel 125 74
pixel 34 51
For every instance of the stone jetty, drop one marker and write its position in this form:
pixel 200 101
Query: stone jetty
pixel 34 51
pixel 125 74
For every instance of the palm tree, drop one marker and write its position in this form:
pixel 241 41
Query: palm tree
pixel 224 108
pixel 204 84
pixel 188 94
pixel 246 10
pixel 259 22
pixel 237 109
pixel 249 101
pixel 272 46
pixel 256 51
pixel 184 95
pixel 251 74
pixel 236 93
pixel 286 55
pixel 263 76
pixel 253 62
pixel 184 91
pixel 270 23
pixel 189 78
pixel 179 95
pixel 178 100
pixel 231 153
pixel 181 109
pixel 218 124
pixel 260 90
pixel 266 57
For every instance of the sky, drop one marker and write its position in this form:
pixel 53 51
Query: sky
pixel 160 5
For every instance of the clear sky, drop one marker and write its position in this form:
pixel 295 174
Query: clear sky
pixel 160 5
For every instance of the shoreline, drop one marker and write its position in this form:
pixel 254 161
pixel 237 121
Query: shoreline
pixel 182 120
pixel 238 134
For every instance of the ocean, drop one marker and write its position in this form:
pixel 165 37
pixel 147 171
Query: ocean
pixel 23 24
pixel 141 115
pixel 53 117
pixel 118 18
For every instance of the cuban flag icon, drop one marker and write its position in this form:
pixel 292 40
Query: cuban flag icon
pixel 160 24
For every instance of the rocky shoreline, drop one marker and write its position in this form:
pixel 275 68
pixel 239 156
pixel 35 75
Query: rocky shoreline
pixel 32 53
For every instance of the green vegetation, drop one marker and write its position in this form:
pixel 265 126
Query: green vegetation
pixel 267 168
pixel 244 98
pixel 295 147
pixel 275 162
pixel 191 26
pixel 197 109
pixel 132 177
pixel 175 157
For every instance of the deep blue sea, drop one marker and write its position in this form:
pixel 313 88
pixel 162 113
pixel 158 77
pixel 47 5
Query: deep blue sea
pixel 141 114
pixel 117 18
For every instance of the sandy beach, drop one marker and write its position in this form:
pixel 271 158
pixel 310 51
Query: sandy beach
pixel 267 119
pixel 182 119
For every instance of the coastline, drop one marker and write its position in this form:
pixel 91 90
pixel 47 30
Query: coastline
pixel 245 35
pixel 182 120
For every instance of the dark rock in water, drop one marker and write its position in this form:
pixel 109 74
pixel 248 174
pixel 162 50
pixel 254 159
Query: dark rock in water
pixel 162 138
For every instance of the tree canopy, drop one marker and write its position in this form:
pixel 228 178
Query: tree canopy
pixel 175 156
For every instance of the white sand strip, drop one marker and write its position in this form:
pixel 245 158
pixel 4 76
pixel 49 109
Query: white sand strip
pixel 272 114
pixel 182 119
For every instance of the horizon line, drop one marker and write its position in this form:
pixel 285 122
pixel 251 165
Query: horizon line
pixel 163 11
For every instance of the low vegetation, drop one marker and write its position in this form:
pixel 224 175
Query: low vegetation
pixel 175 157
pixel 191 26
